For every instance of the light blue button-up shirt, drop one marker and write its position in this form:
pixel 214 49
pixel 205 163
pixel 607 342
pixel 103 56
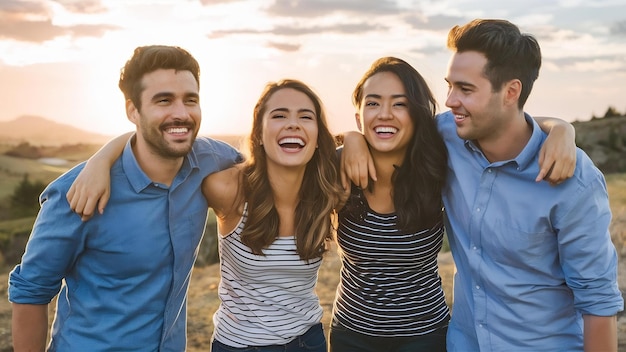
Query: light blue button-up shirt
pixel 531 258
pixel 123 275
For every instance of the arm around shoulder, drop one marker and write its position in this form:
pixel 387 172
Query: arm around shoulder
pixel 92 187
pixel 557 157
pixel 223 191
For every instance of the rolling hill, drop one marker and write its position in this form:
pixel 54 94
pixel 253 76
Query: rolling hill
pixel 40 131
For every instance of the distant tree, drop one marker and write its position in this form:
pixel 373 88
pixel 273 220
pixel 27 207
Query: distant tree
pixel 25 198
pixel 24 150
pixel 612 112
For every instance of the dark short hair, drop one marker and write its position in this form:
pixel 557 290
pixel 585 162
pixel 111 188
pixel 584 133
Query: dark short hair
pixel 147 59
pixel 510 54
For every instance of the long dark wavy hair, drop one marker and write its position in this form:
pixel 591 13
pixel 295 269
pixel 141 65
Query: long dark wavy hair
pixel 418 182
pixel 319 194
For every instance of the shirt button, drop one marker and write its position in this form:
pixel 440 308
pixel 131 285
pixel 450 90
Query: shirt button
pixel 477 287
pixel 474 248
pixel 489 170
pixel 478 210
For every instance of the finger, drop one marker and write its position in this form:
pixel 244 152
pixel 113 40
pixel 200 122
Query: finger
pixel 371 168
pixel 104 201
pixel 79 203
pixel 344 180
pixel 545 166
pixel 70 197
pixel 363 176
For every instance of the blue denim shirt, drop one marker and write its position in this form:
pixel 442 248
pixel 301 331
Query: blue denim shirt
pixel 123 275
pixel 531 258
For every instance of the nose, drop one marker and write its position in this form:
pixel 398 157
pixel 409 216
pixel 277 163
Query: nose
pixel 180 110
pixel 385 112
pixel 451 100
pixel 293 123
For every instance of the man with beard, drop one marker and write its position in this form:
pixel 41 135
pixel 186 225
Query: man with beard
pixel 123 276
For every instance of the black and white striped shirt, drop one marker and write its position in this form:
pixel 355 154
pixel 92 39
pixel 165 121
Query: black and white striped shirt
pixel 266 300
pixel 390 285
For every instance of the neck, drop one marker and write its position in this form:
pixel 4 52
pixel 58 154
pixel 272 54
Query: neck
pixel 506 141
pixel 158 168
pixel 286 184
pixel 385 163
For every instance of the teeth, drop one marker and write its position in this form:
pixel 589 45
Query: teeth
pixel 291 140
pixel 177 130
pixel 386 129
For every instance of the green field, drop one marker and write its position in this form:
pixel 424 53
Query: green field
pixel 12 170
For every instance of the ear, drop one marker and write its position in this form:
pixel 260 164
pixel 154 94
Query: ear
pixel 357 117
pixel 132 114
pixel 512 91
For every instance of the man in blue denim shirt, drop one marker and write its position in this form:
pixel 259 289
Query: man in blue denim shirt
pixel 124 275
pixel 537 270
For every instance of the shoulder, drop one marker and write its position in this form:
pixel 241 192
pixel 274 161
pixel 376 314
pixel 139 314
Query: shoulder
pixel 445 123
pixel 222 189
pixel 213 155
pixel 586 173
pixel 210 145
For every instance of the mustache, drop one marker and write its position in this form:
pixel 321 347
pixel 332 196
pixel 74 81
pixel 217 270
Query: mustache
pixel 189 124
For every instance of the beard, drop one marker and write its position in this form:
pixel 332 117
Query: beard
pixel 153 136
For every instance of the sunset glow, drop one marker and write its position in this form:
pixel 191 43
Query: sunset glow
pixel 60 59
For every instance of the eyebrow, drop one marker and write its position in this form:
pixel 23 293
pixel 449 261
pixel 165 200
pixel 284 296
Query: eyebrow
pixel 460 83
pixel 160 95
pixel 287 110
pixel 378 96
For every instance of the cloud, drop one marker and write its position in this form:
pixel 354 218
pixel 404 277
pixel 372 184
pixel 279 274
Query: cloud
pixel 217 2
pixel 41 31
pixel 348 28
pixel 283 46
pixel 290 31
pixel 601 63
pixel 435 23
pixel 31 21
pixel 306 8
pixel 29 31
pixel 619 28
pixel 82 6
pixel 19 8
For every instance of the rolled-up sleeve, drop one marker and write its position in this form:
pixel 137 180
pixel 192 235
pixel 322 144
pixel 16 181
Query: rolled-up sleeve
pixel 55 242
pixel 587 255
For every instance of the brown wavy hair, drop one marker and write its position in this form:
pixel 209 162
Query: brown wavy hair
pixel 147 59
pixel 319 194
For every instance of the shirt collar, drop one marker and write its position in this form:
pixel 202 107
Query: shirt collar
pixel 527 155
pixel 138 178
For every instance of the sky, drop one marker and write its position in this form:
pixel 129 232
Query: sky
pixel 60 59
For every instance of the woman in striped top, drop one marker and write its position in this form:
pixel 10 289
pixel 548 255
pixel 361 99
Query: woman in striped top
pixel 274 224
pixel 390 296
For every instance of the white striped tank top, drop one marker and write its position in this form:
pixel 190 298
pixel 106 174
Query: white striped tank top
pixel 265 300
pixel 390 285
